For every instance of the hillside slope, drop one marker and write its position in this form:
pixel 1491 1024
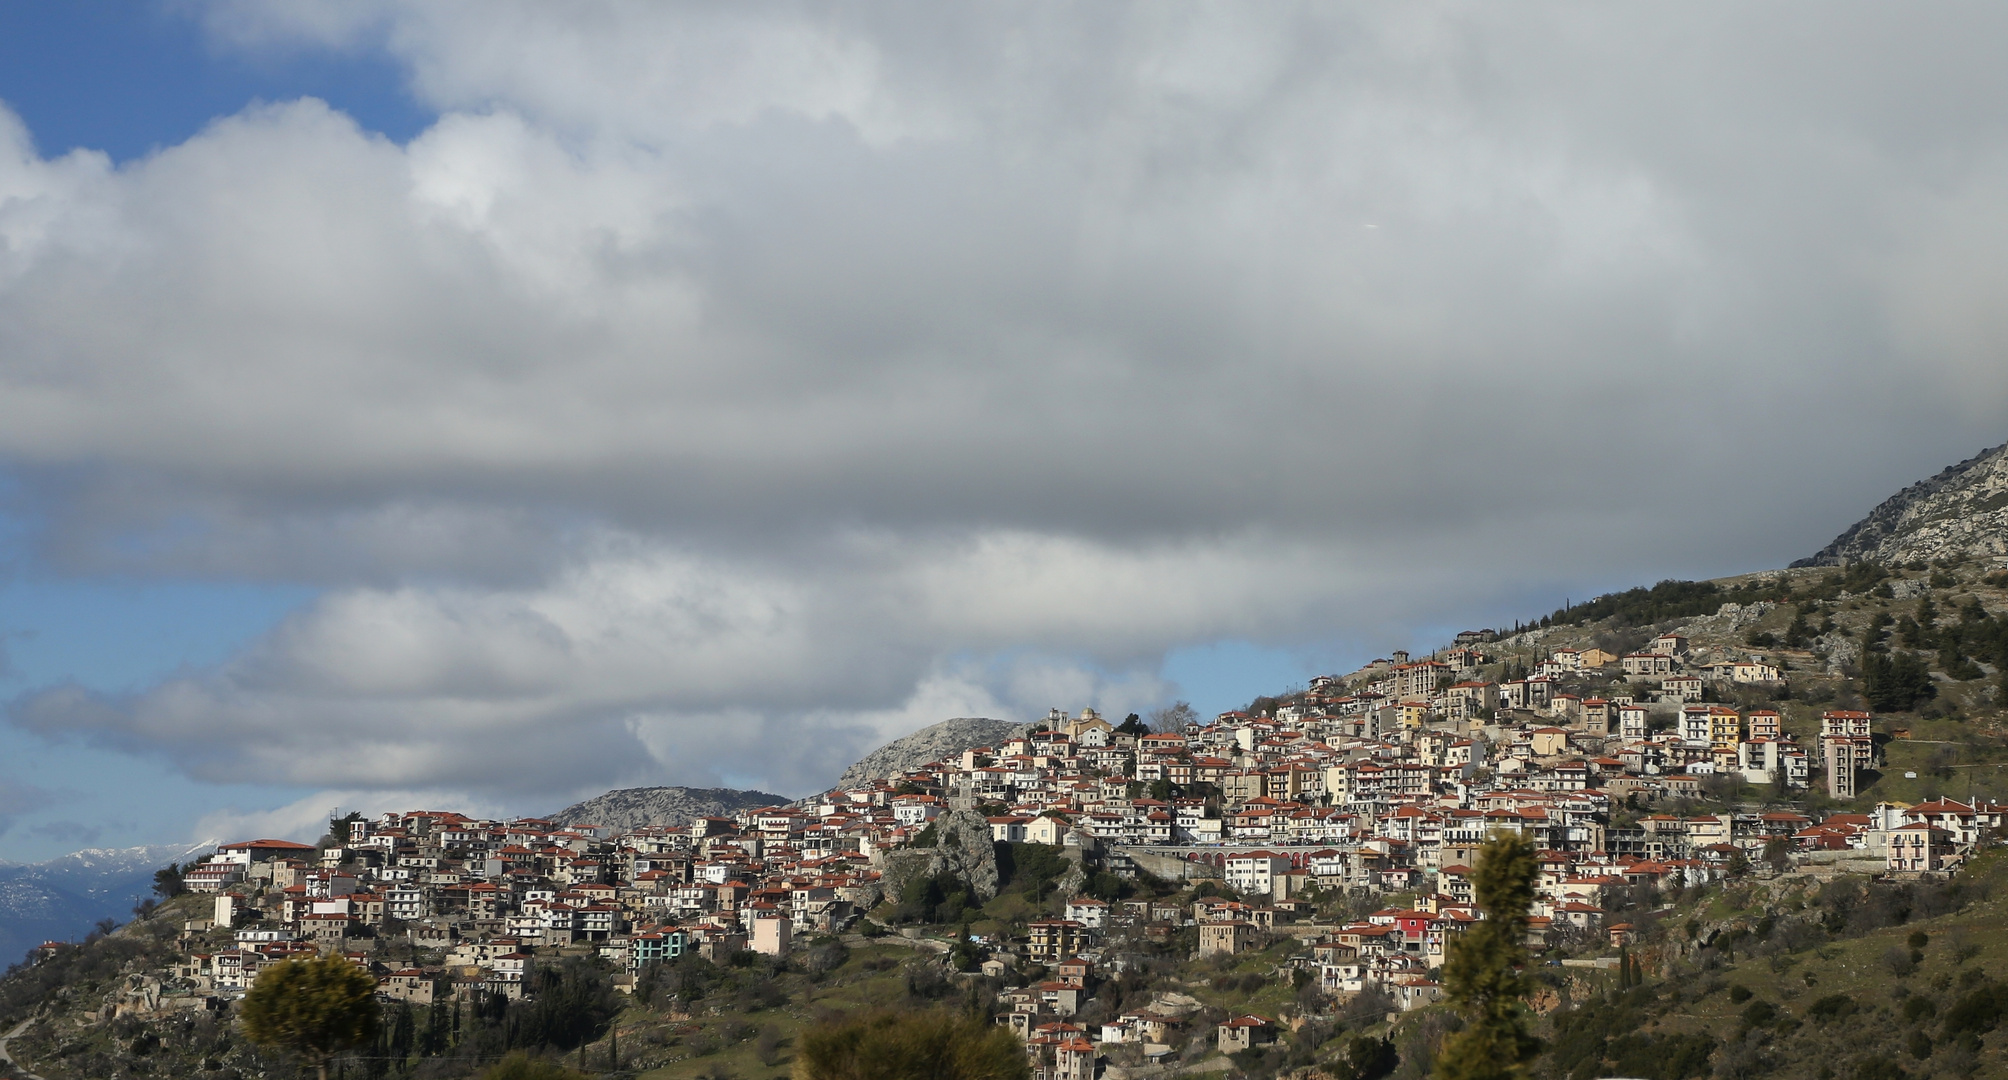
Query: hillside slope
pixel 1963 511
pixel 632 808
pixel 929 744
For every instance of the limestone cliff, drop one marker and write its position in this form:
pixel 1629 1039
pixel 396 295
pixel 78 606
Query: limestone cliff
pixel 1963 511
pixel 632 808
pixel 962 847
pixel 943 740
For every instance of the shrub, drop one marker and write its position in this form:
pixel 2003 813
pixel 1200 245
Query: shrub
pixel 521 1066
pixel 1918 1044
pixel 1878 1067
pixel 767 1048
pixel 1898 961
pixel 1978 1012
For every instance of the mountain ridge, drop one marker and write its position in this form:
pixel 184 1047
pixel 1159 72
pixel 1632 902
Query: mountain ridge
pixel 1961 511
pixel 633 808
pixel 60 898
pixel 931 743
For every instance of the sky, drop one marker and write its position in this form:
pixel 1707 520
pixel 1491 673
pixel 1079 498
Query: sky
pixel 484 405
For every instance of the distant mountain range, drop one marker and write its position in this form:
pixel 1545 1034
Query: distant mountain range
pixel 61 899
pixel 1963 511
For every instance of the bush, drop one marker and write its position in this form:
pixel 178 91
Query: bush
pixel 767 1048
pixel 1919 1045
pixel 521 1066
pixel 1363 1057
pixel 1830 1008
pixel 1878 1067
pixel 1898 961
pixel 1739 994
pixel 1978 1012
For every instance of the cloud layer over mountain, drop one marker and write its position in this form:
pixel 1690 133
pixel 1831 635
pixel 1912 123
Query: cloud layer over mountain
pixel 715 392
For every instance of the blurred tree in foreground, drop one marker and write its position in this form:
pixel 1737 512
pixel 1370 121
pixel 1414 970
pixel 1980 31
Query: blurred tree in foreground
pixel 1482 972
pixel 315 1008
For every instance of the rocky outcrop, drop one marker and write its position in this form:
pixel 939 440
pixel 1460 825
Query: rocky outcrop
pixel 944 740
pixel 1961 512
pixel 962 846
pixel 633 808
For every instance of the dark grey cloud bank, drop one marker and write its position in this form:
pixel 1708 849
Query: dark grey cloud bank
pixel 711 378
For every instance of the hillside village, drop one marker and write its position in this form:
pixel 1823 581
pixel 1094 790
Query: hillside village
pixel 1330 831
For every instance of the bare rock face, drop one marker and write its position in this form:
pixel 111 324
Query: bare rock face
pixel 633 808
pixel 962 847
pixel 1963 511
pixel 936 743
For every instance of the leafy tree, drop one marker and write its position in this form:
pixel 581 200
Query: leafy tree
pixel 928 1045
pixel 1106 886
pixel 1778 852
pixel 1133 725
pixel 1363 1057
pixel 1481 972
pixel 315 1008
pixel 167 882
pixel 1030 868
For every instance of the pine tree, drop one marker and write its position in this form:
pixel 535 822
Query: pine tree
pixel 1482 971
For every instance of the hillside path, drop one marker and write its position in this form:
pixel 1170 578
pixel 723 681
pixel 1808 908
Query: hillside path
pixel 11 1068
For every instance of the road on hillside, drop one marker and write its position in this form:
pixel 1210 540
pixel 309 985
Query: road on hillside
pixel 8 1066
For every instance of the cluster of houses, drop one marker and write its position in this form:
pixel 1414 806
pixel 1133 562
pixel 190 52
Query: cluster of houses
pixel 485 895
pixel 1385 781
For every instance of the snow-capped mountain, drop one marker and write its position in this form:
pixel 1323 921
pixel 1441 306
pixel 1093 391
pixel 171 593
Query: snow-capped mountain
pixel 62 898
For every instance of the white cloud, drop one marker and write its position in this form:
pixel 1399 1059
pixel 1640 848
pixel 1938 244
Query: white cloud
pixel 640 664
pixel 714 391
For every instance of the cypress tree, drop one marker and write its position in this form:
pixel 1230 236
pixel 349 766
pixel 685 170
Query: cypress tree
pixel 1482 971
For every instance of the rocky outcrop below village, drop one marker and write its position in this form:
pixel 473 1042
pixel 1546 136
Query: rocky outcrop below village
pixel 633 808
pixel 960 846
pixel 948 738
pixel 1961 512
